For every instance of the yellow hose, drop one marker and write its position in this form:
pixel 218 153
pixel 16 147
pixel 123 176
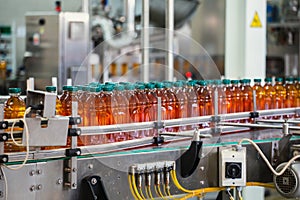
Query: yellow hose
pixel 266 185
pixel 149 192
pixel 131 188
pixel 135 188
pixel 141 193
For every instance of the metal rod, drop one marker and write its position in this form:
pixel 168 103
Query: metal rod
pixel 254 101
pixel 170 38
pixel 216 107
pixel 158 109
pixel 257 125
pixel 145 42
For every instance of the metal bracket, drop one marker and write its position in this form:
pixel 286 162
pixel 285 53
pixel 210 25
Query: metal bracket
pixel 73 152
pixel 3 137
pixel 215 118
pixel 159 125
pixel 74 120
pixel 254 115
pixel 74 132
pixel 3 125
pixel 3 158
pixel 158 140
pixel 92 188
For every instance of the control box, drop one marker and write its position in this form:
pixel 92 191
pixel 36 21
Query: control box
pixel 232 166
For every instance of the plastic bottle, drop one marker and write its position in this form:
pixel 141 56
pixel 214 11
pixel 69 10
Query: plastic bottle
pixel 132 106
pixel 120 111
pixel 67 101
pixel 82 101
pixel 91 106
pixel 164 99
pixel 14 108
pixel 192 101
pixel 59 109
pixel 142 111
pixel 280 93
pixel 105 112
pixel 260 94
pixel 226 100
pixel 181 102
pixel 297 86
pixel 247 95
pixel 205 101
pixel 270 94
pixel 221 96
pixel 291 93
pixel 236 93
pixel 63 96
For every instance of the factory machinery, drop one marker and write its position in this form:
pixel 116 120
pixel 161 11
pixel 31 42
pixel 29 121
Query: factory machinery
pixel 224 158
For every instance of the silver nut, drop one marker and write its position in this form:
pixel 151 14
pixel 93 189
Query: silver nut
pixel 59 181
pixel 39 187
pixel 31 173
pixel 94 181
pixel 32 188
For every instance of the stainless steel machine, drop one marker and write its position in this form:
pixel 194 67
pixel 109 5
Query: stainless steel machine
pixel 223 158
pixel 59 43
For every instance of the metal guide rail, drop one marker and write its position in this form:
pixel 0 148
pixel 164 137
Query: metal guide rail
pixel 102 170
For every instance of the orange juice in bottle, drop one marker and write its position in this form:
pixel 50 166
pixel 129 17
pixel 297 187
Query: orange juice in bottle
pixel 291 93
pixel 120 111
pixel 59 109
pixel 205 101
pixel 236 93
pixel 227 96
pixel 297 86
pixel 192 102
pixel 280 93
pixel 260 94
pixel 181 100
pixel 247 95
pixel 14 108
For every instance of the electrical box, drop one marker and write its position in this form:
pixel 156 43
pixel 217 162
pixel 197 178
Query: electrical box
pixel 232 166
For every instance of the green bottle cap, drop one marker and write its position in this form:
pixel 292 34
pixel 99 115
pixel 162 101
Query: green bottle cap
pixel 226 81
pixel 235 81
pixel 278 79
pixel 268 79
pixel 119 87
pixel 14 90
pixel 50 88
pixel 72 89
pixel 257 80
pixel 95 89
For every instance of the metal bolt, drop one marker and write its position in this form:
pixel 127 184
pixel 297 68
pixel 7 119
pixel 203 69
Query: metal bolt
pixel 90 166
pixel 94 181
pixel 39 171
pixel 59 181
pixel 74 170
pixel 202 168
pixel 39 187
pixel 4 159
pixel 31 173
pixel 32 188
pixel 3 126
pixel 78 133
pixel 74 185
pixel 202 182
pixel 77 153
pixel 4 137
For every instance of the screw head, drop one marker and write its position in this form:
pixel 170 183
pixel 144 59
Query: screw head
pixel 32 188
pixel 39 187
pixel 4 137
pixel 202 182
pixel 94 181
pixel 74 185
pixel 59 181
pixel 90 166
pixel 74 170
pixel 4 159
pixel 31 173
pixel 39 171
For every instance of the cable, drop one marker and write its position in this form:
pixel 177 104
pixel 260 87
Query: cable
pixel 135 188
pixel 239 189
pixel 266 185
pixel 266 160
pixel 27 140
pixel 131 188
pixel 141 193
pixel 149 193
pixel 229 194
pixel 159 192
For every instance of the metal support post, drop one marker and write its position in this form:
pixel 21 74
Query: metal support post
pixel 145 42
pixel 170 39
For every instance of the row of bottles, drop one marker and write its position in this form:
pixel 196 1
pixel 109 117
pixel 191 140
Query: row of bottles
pixel 124 102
